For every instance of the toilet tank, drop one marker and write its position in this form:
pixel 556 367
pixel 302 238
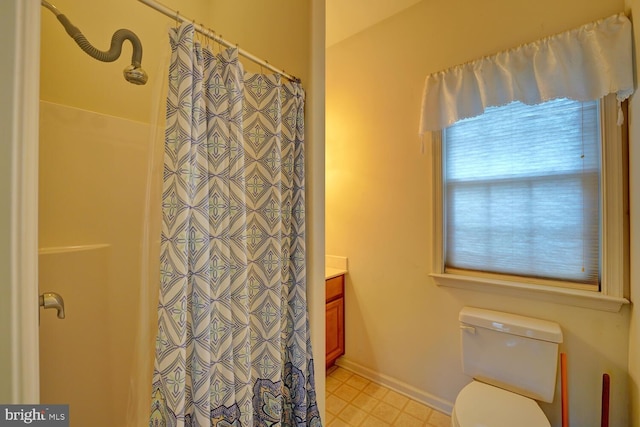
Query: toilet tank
pixel 509 351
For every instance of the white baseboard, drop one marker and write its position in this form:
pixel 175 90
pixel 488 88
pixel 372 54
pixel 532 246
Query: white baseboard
pixel 396 385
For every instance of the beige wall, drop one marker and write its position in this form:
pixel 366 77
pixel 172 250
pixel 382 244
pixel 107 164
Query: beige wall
pixel 379 211
pixel 69 76
pixel 278 32
pixel 94 102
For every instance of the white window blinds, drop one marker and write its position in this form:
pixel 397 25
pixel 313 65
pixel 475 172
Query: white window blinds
pixel 522 191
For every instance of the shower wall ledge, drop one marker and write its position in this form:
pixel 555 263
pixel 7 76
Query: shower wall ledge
pixel 67 249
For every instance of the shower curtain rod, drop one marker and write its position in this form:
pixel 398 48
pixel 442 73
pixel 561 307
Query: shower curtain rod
pixel 199 28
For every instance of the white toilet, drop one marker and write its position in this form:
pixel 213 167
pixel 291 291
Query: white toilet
pixel 513 361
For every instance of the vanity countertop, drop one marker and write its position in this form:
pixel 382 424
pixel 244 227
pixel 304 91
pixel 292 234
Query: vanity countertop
pixel 330 272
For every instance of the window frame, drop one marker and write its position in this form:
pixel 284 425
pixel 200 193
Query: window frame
pixel 614 286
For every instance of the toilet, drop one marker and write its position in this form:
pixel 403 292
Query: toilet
pixel 513 361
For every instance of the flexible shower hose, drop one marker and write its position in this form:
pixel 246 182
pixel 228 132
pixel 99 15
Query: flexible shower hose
pixel 114 51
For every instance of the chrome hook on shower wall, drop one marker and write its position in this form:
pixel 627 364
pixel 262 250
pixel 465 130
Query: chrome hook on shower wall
pixel 133 73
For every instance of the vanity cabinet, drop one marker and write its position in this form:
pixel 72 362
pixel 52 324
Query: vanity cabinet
pixel 335 319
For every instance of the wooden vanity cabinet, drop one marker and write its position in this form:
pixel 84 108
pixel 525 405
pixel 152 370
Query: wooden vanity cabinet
pixel 335 319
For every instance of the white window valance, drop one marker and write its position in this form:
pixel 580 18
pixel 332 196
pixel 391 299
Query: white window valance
pixel 583 64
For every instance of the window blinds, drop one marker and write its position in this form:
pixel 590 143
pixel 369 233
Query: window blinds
pixel 522 191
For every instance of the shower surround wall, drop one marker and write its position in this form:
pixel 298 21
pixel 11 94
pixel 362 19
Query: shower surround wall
pixel 92 199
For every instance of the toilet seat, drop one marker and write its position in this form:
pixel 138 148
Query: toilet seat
pixel 480 404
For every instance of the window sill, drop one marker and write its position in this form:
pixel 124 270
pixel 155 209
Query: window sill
pixel 578 298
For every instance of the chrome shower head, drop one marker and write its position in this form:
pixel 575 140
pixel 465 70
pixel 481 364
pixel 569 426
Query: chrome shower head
pixel 135 74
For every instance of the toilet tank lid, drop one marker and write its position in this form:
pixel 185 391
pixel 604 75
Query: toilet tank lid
pixel 512 324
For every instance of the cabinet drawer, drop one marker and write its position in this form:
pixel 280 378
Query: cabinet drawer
pixel 334 288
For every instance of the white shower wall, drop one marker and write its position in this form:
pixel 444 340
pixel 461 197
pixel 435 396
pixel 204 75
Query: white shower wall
pixel 93 178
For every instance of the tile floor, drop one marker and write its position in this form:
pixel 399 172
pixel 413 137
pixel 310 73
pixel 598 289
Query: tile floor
pixel 355 401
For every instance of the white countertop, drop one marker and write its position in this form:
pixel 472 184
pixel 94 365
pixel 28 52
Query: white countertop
pixel 330 273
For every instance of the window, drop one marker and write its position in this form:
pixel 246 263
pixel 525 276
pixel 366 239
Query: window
pixel 521 192
pixel 555 229
pixel 533 196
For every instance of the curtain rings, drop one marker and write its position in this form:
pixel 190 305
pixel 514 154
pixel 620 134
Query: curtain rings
pixel 207 33
pixel 202 38
pixel 214 38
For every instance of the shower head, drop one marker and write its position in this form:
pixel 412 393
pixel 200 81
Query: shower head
pixel 136 75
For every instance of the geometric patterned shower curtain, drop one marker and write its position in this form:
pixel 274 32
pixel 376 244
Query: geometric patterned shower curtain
pixel 233 345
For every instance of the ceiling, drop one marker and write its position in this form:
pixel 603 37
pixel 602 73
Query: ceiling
pixel 348 17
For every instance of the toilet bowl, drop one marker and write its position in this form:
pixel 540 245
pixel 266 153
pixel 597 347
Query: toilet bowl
pixel 513 362
pixel 480 404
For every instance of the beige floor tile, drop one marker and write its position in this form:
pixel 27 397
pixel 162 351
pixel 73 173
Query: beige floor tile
pixel 375 390
pixel 346 392
pixel 395 399
pixel 365 402
pixel 352 415
pixel 332 384
pixel 386 413
pixel 438 419
pixel 372 421
pixel 335 404
pixel 406 420
pixel 341 374
pixel 337 422
pixel 357 382
pixel 327 418
pixel 354 401
pixel 417 410
pixel 330 370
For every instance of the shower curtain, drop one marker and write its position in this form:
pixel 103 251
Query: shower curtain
pixel 233 345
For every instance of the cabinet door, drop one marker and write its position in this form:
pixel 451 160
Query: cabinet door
pixel 335 330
